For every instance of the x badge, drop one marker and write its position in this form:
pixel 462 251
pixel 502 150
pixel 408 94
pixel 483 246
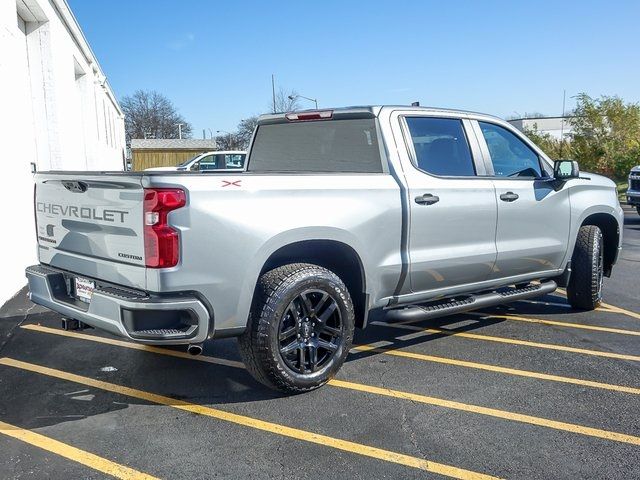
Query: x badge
pixel 227 183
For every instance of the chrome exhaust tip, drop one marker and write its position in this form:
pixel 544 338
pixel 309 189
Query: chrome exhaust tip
pixel 194 350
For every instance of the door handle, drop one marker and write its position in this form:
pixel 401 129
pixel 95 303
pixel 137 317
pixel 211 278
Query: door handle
pixel 427 199
pixel 509 197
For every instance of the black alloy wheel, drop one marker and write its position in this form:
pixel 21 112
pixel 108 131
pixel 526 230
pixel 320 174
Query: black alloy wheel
pixel 311 331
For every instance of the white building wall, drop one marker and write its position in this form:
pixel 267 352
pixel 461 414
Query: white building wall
pixel 557 127
pixel 55 100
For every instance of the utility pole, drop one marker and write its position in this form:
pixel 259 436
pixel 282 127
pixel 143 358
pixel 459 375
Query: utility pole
pixel 179 130
pixel 273 92
pixel 564 97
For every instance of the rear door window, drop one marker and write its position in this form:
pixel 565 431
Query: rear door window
pixel 235 160
pixel 441 146
pixel 317 146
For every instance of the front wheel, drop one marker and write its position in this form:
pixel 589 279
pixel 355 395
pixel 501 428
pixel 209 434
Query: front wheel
pixel 584 290
pixel 300 328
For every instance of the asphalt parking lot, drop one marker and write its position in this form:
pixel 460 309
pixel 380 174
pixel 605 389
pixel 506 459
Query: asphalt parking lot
pixel 528 390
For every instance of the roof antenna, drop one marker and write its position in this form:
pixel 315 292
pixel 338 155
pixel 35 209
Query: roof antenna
pixel 415 104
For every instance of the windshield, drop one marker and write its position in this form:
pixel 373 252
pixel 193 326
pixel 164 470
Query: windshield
pixel 187 162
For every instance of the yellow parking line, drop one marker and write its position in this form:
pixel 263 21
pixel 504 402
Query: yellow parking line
pixel 525 343
pixel 601 308
pixel 303 435
pixel 608 307
pixel 496 368
pixel 542 321
pixel 538 421
pixel 72 453
pixel 362 348
pixel 133 346
pixel 516 417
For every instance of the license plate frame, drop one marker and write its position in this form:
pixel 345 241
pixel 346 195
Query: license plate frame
pixel 83 289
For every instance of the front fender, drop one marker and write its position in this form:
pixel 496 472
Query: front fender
pixel 588 198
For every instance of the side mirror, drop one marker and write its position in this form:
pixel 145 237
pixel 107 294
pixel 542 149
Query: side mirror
pixel 565 169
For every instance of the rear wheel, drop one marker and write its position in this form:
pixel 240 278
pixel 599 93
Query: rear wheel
pixel 587 269
pixel 300 328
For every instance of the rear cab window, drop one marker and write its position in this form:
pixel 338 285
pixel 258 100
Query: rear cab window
pixel 322 146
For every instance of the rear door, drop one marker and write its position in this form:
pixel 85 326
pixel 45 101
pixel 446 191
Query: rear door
pixel 533 219
pixel 452 206
pixel 92 224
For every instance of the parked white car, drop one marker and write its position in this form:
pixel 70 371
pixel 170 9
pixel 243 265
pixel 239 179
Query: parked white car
pixel 224 160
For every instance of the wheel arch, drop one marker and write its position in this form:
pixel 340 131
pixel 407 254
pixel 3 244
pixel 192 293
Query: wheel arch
pixel 610 229
pixel 333 255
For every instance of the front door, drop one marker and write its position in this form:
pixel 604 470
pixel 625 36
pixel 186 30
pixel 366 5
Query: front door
pixel 533 219
pixel 452 209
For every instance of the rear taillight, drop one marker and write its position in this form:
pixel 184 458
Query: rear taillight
pixel 308 116
pixel 161 242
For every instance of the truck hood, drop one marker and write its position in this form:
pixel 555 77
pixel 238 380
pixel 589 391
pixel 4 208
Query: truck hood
pixel 598 179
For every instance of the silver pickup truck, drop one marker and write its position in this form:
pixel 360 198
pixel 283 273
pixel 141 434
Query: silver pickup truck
pixel 339 215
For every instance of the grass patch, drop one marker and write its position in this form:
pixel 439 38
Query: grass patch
pixel 622 189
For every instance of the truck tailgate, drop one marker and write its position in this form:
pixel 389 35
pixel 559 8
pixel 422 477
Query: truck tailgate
pixel 92 225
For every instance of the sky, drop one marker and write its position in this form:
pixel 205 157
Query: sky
pixel 214 59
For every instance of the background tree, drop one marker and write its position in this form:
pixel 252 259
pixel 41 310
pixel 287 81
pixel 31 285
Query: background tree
pixel 549 144
pixel 284 103
pixel 152 115
pixel 606 134
pixel 245 131
pixel 227 141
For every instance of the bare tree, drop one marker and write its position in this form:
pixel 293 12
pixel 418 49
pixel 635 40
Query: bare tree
pixel 227 141
pixel 245 131
pixel 286 101
pixel 152 115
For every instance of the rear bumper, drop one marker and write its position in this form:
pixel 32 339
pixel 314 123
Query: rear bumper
pixel 170 319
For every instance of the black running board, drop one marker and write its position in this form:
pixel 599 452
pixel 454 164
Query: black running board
pixel 470 302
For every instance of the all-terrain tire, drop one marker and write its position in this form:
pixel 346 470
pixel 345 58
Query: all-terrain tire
pixel 587 266
pixel 279 292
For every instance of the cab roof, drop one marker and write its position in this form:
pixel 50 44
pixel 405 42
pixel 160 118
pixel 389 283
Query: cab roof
pixel 365 111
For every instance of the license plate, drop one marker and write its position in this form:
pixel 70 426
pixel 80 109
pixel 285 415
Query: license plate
pixel 84 289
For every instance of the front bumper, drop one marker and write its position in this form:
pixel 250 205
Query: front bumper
pixel 170 319
pixel 633 197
